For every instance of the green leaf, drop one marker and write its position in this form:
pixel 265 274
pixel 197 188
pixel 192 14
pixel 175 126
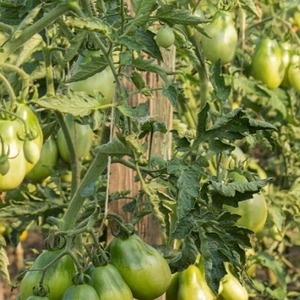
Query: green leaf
pixel 143 7
pixel 88 23
pixel 172 93
pixel 115 147
pixel 88 69
pixel 172 15
pixel 183 227
pixel 149 65
pixel 76 104
pixel 222 91
pixel 201 124
pixel 4 261
pixel 250 6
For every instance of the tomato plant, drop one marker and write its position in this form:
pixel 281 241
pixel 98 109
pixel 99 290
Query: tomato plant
pixel 93 75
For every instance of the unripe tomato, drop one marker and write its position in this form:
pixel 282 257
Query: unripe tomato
pixel 142 267
pixel 193 286
pixel 286 58
pixel 165 37
pixel 58 277
pixel 222 40
pixel 294 72
pixel 82 137
pixel 102 82
pixel 80 292
pixel 35 144
pixel 109 284
pixel 13 149
pixel 48 159
pixel 231 288
pixel 267 64
pixel 253 211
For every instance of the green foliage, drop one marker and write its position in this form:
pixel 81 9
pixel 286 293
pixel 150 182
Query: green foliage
pixel 218 109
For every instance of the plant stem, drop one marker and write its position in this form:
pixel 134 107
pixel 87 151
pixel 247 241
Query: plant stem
pixel 9 89
pixel 85 189
pixel 35 28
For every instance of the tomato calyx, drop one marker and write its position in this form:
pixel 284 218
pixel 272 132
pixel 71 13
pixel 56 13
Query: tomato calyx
pixel 100 257
pixel 40 290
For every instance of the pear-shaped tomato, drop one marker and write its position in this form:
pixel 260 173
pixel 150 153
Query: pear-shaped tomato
pixel 231 288
pixel 81 135
pixel 80 292
pixel 222 38
pixel 108 283
pixel 143 268
pixel 253 211
pixel 57 278
pixel 267 63
pixel 193 286
pixel 48 159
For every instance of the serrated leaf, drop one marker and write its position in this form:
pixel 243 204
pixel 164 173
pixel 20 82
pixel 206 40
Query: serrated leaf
pixel 149 66
pixel 172 15
pixel 88 69
pixel 201 123
pixel 221 90
pixel 250 6
pixel 115 147
pixel 183 227
pixel 172 93
pixel 88 23
pixel 76 104
pixel 4 261
pixel 75 44
pixel 143 7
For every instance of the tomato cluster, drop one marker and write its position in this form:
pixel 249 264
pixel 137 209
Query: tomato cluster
pixel 21 139
pixel 135 270
pixel 276 64
pixel 191 284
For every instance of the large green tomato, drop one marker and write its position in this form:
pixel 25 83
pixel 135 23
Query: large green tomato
pixel 33 146
pixel 48 159
pixel 80 292
pixel 231 288
pixel 222 38
pixel 143 268
pixel 58 277
pixel 286 58
pixel 294 72
pixel 253 211
pixel 109 284
pixel 82 137
pixel 193 286
pixel 102 82
pixel 267 63
pixel 13 163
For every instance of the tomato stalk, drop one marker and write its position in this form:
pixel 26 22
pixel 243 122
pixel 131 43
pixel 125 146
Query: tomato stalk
pixel 25 77
pixel 49 71
pixel 36 27
pixel 9 89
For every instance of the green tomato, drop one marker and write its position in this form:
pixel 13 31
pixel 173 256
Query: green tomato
pixel 286 58
pixel 267 63
pixel 294 72
pixel 12 148
pixel 144 270
pixel 231 288
pixel 80 292
pixel 222 38
pixel 165 37
pixel 109 284
pixel 253 211
pixel 82 137
pixel 172 291
pixel 33 147
pixel 102 82
pixel 48 160
pixel 58 277
pixel 193 286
